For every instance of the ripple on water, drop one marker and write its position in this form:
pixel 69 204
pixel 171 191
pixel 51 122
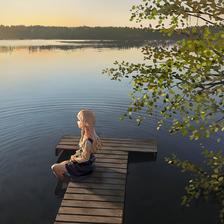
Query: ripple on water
pixel 21 120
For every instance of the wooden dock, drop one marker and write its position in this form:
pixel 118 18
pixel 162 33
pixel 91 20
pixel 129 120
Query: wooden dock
pixel 100 196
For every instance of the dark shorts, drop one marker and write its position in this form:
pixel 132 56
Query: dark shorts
pixel 80 169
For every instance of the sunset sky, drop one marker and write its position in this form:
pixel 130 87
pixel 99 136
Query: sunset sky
pixel 67 12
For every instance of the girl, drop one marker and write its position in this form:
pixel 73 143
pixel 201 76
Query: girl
pixel 81 162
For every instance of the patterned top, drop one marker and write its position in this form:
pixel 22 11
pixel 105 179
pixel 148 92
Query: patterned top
pixel 84 151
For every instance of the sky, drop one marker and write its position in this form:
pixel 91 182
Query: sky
pixel 67 12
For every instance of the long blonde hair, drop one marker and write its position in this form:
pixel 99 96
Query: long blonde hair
pixel 88 118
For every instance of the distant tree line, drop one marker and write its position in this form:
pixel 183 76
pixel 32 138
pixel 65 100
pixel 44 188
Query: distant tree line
pixel 87 33
pixel 84 32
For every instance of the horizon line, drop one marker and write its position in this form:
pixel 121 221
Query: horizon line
pixel 70 26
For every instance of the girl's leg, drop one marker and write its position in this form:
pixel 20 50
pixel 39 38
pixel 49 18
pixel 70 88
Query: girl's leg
pixel 59 169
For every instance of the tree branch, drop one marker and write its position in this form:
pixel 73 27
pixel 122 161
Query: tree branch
pixel 190 14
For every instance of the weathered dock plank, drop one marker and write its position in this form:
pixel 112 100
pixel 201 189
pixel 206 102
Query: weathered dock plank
pixel 97 191
pixel 89 219
pixel 139 145
pixel 91 204
pixel 92 211
pixel 97 186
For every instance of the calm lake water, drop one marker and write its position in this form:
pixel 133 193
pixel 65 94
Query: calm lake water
pixel 43 85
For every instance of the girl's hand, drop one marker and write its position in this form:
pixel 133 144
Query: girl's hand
pixel 73 158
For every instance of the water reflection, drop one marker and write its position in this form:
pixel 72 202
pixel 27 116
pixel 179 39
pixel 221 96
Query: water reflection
pixel 69 45
pixel 76 44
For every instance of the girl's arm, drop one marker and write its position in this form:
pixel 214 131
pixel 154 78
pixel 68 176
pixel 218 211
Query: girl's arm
pixel 85 155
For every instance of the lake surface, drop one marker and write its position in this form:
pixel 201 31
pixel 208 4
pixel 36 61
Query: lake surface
pixel 43 86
